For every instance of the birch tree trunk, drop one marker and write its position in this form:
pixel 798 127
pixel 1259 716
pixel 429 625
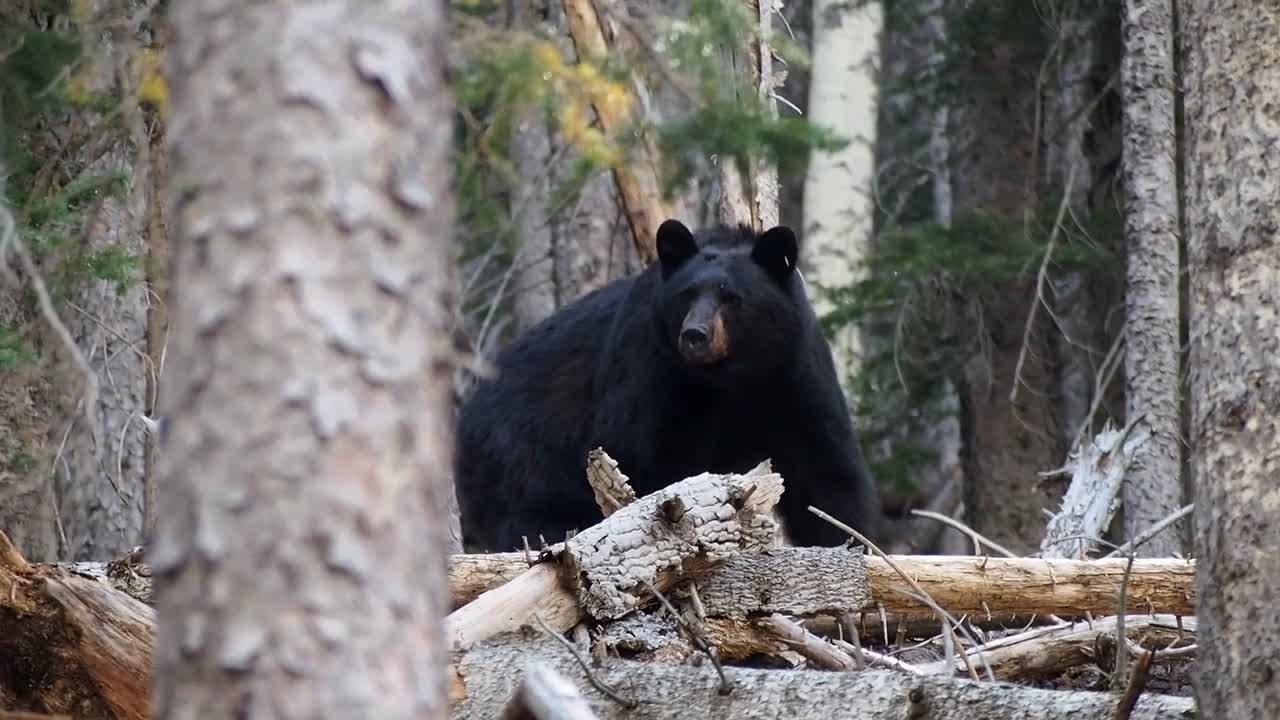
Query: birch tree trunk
pixel 1233 86
pixel 1153 486
pixel 298 560
pixel 839 211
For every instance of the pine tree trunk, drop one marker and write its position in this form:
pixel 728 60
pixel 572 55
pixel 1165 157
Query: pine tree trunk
pixel 298 560
pixel 1152 486
pixel 101 482
pixel 1233 85
pixel 1009 418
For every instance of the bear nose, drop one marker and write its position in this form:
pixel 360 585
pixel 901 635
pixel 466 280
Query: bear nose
pixel 693 338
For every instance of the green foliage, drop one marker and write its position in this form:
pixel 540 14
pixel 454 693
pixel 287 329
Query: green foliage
pixel 914 300
pixel 502 76
pixel 36 93
pixel 14 350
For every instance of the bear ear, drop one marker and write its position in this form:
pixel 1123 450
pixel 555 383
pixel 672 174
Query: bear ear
pixel 675 245
pixel 776 251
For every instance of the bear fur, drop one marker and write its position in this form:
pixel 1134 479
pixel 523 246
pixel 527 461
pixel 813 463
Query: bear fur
pixel 710 360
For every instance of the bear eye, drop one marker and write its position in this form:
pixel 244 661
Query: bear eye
pixel 728 296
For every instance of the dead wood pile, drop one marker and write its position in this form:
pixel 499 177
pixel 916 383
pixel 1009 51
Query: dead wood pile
pixel 680 604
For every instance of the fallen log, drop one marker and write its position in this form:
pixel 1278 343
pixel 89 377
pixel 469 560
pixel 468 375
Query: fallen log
pixel 70 644
pixel 1046 652
pixel 605 571
pixel 979 586
pixel 487 674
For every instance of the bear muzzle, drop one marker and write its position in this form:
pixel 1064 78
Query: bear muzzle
pixel 703 338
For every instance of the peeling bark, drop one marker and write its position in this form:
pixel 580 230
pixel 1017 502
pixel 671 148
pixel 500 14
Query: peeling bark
pixel 298 557
pixel 1233 87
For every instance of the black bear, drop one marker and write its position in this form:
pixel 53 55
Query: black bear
pixel 710 360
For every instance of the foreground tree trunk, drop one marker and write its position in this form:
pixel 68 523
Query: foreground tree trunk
pixel 1233 85
pixel 1153 488
pixel 298 556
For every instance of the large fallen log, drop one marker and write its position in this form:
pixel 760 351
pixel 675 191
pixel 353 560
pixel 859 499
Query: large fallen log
pixel 978 586
pixel 487 675
pixel 71 645
pixel 607 570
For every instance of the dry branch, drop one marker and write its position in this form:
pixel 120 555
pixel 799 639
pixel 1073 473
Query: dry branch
pixel 1097 476
pixel 485 681
pixel 1045 652
pixel 72 644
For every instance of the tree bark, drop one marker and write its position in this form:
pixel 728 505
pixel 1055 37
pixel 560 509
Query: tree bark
pixel 101 480
pixel 489 674
pixel 1009 418
pixel 1153 485
pixel 839 209
pixel 1233 85
pixel 298 556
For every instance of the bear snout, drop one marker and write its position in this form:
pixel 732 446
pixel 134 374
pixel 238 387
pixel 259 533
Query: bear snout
pixel 703 339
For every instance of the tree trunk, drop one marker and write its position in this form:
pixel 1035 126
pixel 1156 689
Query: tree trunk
pixel 1153 486
pixel 1009 414
pixel 839 212
pixel 298 558
pixel 101 477
pixel 78 475
pixel 1233 86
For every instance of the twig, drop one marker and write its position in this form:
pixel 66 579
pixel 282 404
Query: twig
pixel 855 640
pixel 696 638
pixel 923 596
pixel 810 646
pixel 586 668
pixel 50 315
pixel 1122 647
pixel 1151 532
pixel 977 537
pixel 1137 683
pixel 876 658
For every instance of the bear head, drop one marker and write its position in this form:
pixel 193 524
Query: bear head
pixel 731 305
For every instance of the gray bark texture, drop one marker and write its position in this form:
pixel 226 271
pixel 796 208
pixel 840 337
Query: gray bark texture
pixel 1233 89
pixel 491 673
pixel 1153 485
pixel 96 459
pixel 101 489
pixel 298 557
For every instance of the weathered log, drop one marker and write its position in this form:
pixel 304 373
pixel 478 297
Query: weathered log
pixel 487 674
pixel 603 571
pixel 545 694
pixel 1046 652
pixel 961 584
pixel 71 644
